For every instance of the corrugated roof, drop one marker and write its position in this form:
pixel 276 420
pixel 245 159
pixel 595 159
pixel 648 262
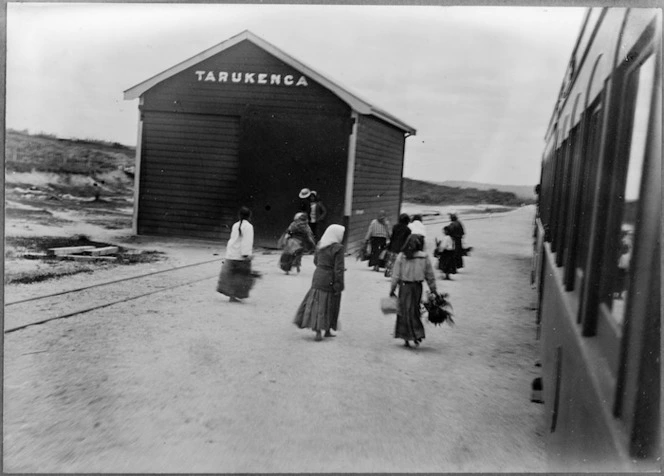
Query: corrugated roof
pixel 355 102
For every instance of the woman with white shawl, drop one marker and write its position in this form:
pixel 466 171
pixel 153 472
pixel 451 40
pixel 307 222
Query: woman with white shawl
pixel 319 310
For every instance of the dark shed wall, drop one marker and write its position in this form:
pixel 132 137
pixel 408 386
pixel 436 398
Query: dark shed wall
pixel 188 174
pixel 378 171
pixel 290 137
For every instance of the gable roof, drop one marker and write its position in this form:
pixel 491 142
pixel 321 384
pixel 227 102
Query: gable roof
pixel 355 102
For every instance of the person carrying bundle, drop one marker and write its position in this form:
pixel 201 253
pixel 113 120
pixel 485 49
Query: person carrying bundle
pixel 297 240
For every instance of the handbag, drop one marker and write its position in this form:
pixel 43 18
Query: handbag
pixel 389 305
pixel 364 252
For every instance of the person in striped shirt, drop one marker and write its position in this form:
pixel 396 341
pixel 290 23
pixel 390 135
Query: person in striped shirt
pixel 377 235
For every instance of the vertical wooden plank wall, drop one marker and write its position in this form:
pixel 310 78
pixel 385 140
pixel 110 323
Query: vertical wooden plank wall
pixel 377 178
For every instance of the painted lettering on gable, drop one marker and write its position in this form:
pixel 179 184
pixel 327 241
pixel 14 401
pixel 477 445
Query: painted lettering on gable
pixel 251 78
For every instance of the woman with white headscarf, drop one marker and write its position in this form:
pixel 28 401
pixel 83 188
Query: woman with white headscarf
pixel 319 310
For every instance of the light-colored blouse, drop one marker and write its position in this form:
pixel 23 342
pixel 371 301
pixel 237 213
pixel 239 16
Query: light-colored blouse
pixel 417 269
pixel 446 244
pixel 417 228
pixel 240 245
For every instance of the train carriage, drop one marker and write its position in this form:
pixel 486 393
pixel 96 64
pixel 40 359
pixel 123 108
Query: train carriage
pixel 597 250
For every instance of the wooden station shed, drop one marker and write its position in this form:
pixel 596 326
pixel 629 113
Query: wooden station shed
pixel 244 123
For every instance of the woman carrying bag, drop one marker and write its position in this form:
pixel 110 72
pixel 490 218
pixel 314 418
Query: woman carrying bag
pixel 411 267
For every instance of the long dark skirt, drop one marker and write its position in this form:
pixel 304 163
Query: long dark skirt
pixel 235 279
pixel 319 311
pixel 409 317
pixel 377 246
pixel 447 262
pixel 458 253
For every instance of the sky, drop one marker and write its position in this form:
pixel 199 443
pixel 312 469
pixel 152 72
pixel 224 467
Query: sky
pixel 477 83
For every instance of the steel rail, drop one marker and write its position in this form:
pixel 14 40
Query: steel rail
pixel 106 283
pixel 101 306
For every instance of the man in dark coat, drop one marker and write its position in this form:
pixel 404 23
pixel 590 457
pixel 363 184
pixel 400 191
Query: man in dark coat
pixel 456 231
pixel 317 214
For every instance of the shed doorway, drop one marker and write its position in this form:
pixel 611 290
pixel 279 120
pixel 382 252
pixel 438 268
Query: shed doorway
pixel 282 153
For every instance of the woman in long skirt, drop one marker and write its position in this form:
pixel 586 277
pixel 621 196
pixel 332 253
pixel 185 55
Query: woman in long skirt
pixel 235 279
pixel 319 310
pixel 446 254
pixel 457 232
pixel 411 267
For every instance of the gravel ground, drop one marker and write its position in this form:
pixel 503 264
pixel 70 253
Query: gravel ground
pixel 187 382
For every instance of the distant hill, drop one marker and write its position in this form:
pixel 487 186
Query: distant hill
pixel 55 167
pixel 526 192
pixel 430 193
pixel 26 152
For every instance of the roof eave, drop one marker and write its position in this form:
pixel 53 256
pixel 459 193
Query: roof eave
pixel 137 91
pixel 356 103
pixel 390 119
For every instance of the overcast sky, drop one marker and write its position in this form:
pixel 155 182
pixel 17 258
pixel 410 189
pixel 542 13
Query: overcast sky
pixel 478 83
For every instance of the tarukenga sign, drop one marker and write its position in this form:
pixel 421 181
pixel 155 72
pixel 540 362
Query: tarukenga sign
pixel 250 78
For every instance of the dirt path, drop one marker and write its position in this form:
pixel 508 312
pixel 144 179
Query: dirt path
pixel 188 382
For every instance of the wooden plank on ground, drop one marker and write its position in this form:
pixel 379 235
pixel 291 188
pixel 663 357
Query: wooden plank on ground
pixel 67 250
pixel 107 250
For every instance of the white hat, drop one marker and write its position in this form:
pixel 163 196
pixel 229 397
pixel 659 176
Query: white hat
pixel 313 192
pixel 305 192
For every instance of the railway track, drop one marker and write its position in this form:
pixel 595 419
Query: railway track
pixel 41 309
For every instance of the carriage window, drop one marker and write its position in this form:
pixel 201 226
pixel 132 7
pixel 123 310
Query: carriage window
pixel 631 193
pixel 589 184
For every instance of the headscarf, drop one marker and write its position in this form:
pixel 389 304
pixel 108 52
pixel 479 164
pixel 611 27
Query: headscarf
pixel 300 216
pixel 414 243
pixel 417 227
pixel 333 234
